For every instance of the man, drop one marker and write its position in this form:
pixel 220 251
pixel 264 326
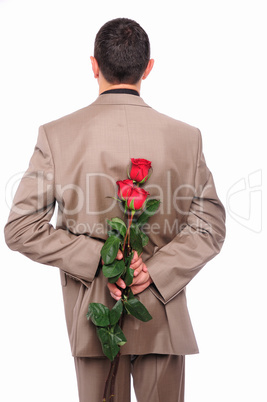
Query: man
pixel 76 163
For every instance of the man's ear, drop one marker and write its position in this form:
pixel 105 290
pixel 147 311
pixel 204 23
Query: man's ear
pixel 148 68
pixel 95 67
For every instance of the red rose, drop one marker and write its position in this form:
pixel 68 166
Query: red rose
pixel 125 188
pixel 137 198
pixel 134 196
pixel 140 169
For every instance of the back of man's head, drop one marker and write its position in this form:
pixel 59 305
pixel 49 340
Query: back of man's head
pixel 122 50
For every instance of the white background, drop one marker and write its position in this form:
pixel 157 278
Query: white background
pixel 210 71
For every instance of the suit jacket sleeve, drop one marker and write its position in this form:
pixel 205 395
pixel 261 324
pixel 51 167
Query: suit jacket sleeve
pixel 28 229
pixel 174 265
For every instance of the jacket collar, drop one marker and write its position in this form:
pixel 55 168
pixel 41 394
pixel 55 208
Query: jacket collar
pixel 119 99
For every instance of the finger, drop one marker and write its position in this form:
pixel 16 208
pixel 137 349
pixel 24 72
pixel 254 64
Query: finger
pixel 136 264
pixel 137 289
pixel 140 288
pixel 137 279
pixel 114 296
pixel 136 260
pixel 145 268
pixel 135 257
pixel 141 278
pixel 114 290
pixel 138 270
pixel 119 255
pixel 121 283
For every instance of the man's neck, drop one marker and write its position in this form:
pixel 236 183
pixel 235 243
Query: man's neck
pixel 120 91
pixel 106 86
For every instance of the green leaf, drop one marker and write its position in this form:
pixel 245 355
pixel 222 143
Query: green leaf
pixel 99 314
pixel 131 206
pixel 145 238
pixel 136 239
pixel 130 295
pixel 151 209
pixel 109 343
pixel 138 232
pixel 119 225
pixel 115 233
pixel 115 312
pixel 114 269
pixel 129 259
pixel 137 309
pixel 114 280
pixel 129 276
pixel 119 335
pixel 110 249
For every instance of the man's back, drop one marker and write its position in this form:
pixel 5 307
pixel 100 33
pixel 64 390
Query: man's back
pixel 77 161
pixel 92 148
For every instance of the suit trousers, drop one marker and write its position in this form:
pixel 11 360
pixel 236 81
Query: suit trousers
pixel 156 378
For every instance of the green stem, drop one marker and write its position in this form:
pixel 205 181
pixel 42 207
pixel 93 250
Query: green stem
pixel 108 381
pixel 113 378
pixel 116 364
pixel 125 250
pixel 129 226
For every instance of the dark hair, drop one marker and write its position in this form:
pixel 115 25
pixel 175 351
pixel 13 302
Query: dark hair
pixel 122 50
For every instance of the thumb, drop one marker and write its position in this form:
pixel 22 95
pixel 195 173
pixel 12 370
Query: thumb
pixel 119 255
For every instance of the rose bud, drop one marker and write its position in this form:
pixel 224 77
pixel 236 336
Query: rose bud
pixel 125 188
pixel 136 200
pixel 139 170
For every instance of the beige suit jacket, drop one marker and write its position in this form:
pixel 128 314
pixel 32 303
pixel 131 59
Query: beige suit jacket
pixel 76 163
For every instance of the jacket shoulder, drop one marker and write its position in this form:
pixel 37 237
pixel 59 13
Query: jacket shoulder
pixel 67 120
pixel 173 121
pixel 83 117
pixel 175 128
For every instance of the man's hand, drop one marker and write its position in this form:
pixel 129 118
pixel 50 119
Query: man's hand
pixel 141 282
pixel 139 269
